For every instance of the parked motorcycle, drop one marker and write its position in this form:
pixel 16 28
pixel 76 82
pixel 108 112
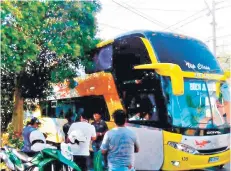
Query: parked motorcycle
pixel 47 157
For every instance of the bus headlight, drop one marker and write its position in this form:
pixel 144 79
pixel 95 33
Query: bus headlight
pixel 183 147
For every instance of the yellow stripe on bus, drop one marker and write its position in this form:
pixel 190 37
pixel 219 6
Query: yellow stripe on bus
pixel 150 50
pixel 104 43
pixel 204 76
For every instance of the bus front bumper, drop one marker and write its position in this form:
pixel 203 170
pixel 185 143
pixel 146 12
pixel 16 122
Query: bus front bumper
pixel 178 160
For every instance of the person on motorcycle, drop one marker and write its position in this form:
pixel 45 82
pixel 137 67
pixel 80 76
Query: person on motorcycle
pixel 31 126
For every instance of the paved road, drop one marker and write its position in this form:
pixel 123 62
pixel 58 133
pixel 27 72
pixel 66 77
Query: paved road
pixel 226 168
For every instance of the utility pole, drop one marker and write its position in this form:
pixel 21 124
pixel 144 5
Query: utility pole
pixel 214 27
pixel 212 12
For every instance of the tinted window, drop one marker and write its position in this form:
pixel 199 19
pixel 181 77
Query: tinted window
pixel 190 54
pixel 77 106
pixel 129 52
pixel 59 108
pixel 103 59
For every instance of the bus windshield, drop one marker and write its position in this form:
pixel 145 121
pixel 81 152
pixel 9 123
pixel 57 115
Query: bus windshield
pixel 197 108
pixel 190 54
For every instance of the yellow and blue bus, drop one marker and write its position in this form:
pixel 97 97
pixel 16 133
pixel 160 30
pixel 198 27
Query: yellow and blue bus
pixel 174 78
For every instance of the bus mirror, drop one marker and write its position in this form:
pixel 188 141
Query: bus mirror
pixel 227 74
pixel 167 69
pixel 218 85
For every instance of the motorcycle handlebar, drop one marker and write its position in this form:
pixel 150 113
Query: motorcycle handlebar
pixel 7 146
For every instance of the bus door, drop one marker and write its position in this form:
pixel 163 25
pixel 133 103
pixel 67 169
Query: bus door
pixel 150 136
pixel 137 99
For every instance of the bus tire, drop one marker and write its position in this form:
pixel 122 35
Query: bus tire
pixel 221 166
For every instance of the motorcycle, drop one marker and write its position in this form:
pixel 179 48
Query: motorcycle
pixel 46 158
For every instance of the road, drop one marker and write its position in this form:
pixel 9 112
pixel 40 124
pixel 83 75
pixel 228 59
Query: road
pixel 226 168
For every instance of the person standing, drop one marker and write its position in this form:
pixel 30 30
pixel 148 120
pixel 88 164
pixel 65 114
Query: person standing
pixel 85 132
pixel 67 125
pixel 101 128
pixel 120 144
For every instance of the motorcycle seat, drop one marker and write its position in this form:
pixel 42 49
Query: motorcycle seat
pixel 22 156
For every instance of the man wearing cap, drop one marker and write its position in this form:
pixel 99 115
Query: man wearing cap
pixel 31 126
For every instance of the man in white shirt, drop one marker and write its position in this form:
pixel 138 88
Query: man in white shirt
pixel 80 135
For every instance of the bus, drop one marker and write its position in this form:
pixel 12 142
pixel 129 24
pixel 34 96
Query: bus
pixel 174 79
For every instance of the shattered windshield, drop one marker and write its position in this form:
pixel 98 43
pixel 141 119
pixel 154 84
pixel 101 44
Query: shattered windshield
pixel 198 107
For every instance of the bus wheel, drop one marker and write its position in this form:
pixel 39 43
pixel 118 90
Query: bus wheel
pixel 221 166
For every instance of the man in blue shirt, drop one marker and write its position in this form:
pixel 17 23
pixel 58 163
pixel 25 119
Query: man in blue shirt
pixel 31 126
pixel 120 143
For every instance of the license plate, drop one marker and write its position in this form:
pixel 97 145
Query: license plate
pixel 213 159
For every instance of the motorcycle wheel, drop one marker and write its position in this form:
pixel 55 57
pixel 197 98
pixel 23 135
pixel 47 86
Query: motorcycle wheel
pixel 65 168
pixel 33 169
pixel 57 166
pixel 53 166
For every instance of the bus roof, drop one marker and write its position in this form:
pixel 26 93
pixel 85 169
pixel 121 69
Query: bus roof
pixel 144 33
pixel 189 53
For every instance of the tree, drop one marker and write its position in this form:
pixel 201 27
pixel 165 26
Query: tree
pixel 40 41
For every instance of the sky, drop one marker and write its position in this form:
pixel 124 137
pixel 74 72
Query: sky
pixel 187 17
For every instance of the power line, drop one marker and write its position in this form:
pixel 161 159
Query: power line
pixel 212 12
pixel 224 45
pixel 186 18
pixel 113 27
pixel 190 22
pixel 116 9
pixel 155 22
pixel 224 7
pixel 218 2
pixel 228 35
pixel 167 10
pixel 146 15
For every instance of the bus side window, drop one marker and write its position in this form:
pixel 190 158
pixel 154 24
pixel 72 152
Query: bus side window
pixel 99 106
pixel 92 104
pixel 141 106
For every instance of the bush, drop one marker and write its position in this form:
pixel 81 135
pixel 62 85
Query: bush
pixel 11 138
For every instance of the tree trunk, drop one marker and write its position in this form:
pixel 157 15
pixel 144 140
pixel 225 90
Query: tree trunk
pixel 18 115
